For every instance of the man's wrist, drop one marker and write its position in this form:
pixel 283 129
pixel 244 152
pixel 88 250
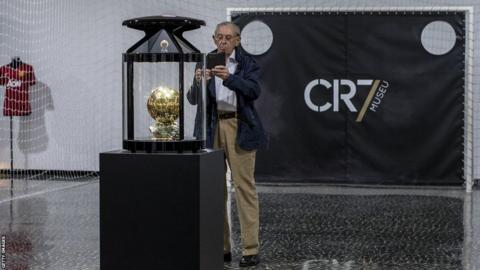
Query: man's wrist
pixel 228 80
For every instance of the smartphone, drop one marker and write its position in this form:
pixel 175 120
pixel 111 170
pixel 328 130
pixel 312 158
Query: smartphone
pixel 215 59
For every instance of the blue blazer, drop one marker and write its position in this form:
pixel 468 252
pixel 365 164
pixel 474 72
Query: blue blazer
pixel 244 82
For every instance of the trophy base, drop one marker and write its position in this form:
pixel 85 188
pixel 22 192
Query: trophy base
pixel 162 132
pixel 153 145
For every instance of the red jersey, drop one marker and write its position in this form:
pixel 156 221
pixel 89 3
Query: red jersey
pixel 17 81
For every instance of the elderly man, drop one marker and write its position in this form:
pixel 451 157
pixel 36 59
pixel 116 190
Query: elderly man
pixel 234 126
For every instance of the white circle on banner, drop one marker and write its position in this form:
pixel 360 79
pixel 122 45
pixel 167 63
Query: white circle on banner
pixel 257 38
pixel 438 37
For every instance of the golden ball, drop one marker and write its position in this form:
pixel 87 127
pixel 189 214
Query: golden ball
pixel 163 105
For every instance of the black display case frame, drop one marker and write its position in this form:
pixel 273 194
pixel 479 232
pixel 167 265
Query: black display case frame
pixel 145 51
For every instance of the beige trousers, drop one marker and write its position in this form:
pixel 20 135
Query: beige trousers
pixel 242 166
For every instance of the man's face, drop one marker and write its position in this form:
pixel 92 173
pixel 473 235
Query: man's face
pixel 226 39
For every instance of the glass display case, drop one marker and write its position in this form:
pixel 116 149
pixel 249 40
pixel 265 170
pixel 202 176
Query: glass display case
pixel 163 87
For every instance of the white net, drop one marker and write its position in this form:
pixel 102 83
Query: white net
pixel 75 48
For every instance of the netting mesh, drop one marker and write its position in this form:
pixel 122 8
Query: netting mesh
pixel 75 49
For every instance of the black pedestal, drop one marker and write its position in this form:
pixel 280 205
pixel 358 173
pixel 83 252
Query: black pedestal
pixel 161 210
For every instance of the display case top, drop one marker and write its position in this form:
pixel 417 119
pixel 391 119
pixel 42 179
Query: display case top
pixel 164 22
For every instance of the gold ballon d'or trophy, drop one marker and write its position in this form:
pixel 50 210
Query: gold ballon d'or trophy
pixel 163 106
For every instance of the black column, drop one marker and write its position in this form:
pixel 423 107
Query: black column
pixel 161 210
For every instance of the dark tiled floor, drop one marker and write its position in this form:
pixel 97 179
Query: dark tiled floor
pixel 55 225
pixel 51 225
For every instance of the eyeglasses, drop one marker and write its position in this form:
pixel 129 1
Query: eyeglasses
pixel 219 37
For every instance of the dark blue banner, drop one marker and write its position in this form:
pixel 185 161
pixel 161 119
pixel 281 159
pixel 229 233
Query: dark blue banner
pixel 356 98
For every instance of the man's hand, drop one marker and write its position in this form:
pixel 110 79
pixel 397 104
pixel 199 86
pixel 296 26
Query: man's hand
pixel 221 72
pixel 198 75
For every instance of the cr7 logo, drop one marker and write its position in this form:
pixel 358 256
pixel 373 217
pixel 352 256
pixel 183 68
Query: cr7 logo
pixel 346 98
pixel 372 102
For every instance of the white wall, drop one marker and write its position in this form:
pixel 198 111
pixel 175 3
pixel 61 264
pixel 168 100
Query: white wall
pixel 75 47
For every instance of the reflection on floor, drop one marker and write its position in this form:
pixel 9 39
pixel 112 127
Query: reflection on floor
pixel 55 225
